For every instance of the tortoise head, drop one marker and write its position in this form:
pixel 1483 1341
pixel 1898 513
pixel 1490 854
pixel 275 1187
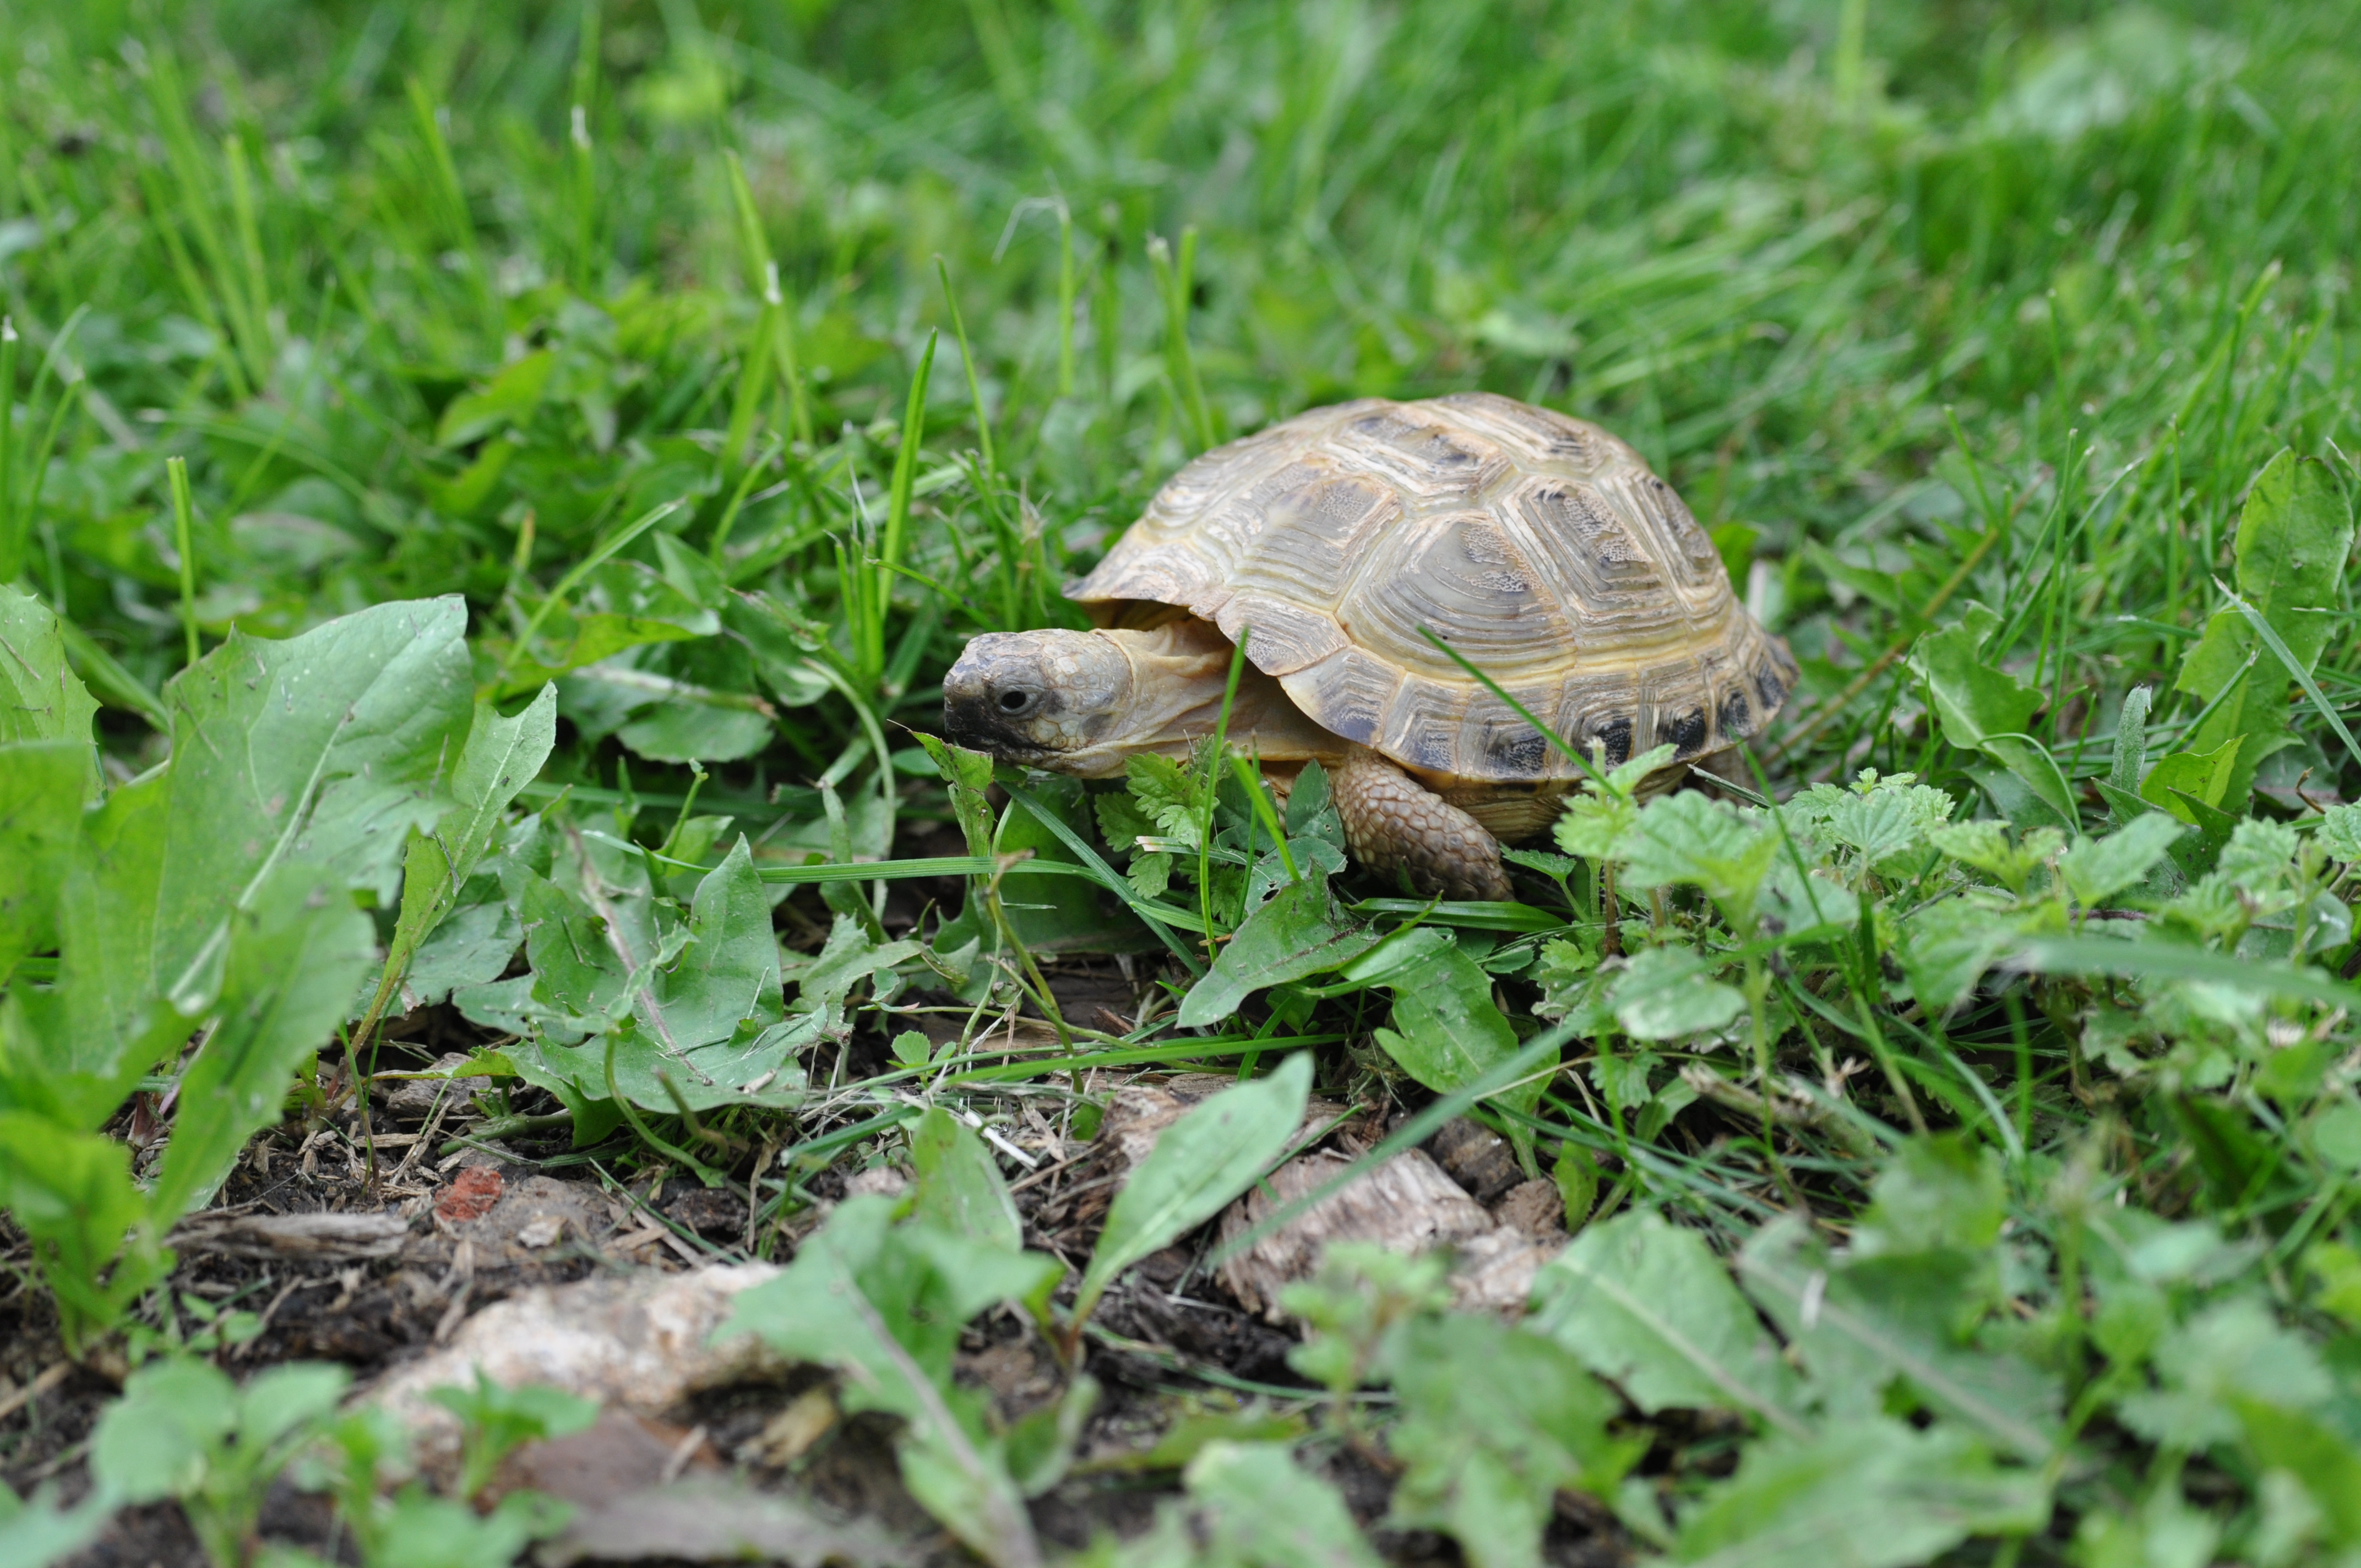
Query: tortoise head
pixel 1049 698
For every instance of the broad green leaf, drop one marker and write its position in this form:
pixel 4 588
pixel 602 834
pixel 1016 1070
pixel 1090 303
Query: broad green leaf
pixel 847 957
pixel 1446 1031
pixel 1862 1326
pixel 104 1024
pixel 727 975
pixel 1868 1494
pixel 1495 1421
pixel 1667 994
pixel 42 785
pixel 1649 1305
pixel 2232 1352
pixel 1983 708
pixel 969 775
pixel 1210 1156
pixel 155 1440
pixel 958 1186
pixel 297 951
pixel 2096 870
pixel 326 748
pixel 2322 1458
pixel 421 1531
pixel 40 697
pixel 471 945
pixel 2294 536
pixel 2205 776
pixel 685 729
pixel 2030 765
pixel 501 756
pixel 1051 914
pixel 1973 698
pixel 1296 934
pixel 36 1533
pixel 509 399
pixel 70 1192
pixel 1262 1511
pixel 1938 1191
pixel 885 1305
pixel 1311 810
pixel 583 964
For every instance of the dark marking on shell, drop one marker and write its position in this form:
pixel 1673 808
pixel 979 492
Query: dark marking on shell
pixel 1615 737
pixel 1685 732
pixel 1516 750
pixel 1733 721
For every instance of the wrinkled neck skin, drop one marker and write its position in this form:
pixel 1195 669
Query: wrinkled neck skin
pixel 1178 671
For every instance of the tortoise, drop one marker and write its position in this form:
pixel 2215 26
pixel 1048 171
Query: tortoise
pixel 1539 547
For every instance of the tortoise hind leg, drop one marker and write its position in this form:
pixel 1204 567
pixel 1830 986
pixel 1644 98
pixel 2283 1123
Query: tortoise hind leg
pixel 1390 819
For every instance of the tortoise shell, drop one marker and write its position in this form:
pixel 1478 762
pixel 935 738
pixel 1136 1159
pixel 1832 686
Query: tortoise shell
pixel 1540 547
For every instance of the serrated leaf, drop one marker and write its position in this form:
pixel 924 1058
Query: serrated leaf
pixel 1868 1494
pixel 1262 1511
pixel 2096 870
pixel 1172 797
pixel 1210 1156
pixel 40 697
pixel 1495 1421
pixel 1649 1307
pixel 1298 933
pixel 1862 1326
pixel 1687 838
pixel 500 757
pixel 1667 994
pixel 2231 1352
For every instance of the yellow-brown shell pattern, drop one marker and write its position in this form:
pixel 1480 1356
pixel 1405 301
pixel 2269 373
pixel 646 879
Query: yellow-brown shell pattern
pixel 1539 546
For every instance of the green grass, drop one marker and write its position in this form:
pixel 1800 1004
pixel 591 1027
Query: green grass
pixel 891 316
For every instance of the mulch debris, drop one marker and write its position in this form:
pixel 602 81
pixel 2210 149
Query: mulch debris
pixel 719 1454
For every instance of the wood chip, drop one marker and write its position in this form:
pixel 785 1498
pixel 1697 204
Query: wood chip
pixel 319 1237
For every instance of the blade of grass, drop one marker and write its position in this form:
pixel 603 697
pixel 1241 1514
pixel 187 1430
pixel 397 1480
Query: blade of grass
pixel 597 557
pixel 2271 639
pixel 176 470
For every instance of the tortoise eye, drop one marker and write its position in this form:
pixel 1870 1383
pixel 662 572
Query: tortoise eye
pixel 1014 700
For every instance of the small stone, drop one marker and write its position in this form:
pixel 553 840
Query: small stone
pixel 541 1233
pixel 1535 1209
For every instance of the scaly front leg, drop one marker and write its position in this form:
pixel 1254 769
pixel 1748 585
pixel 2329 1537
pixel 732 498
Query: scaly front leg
pixel 1390 819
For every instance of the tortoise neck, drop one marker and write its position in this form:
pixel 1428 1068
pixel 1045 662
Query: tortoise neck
pixel 1178 674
